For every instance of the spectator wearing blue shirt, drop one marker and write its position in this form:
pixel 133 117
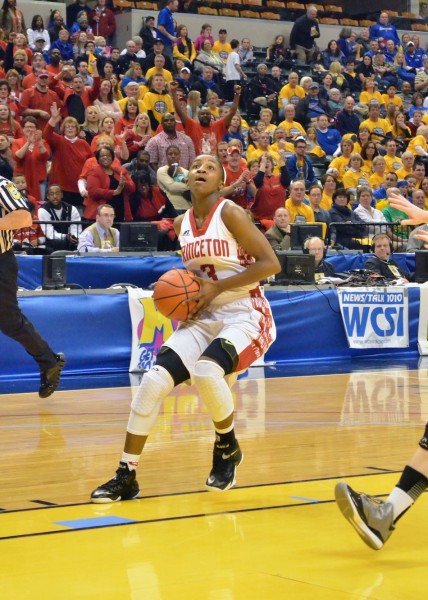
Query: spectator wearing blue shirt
pixel 414 60
pixel 166 27
pixel 383 30
pixel 328 138
pixel 64 45
pixel 298 165
pixel 390 51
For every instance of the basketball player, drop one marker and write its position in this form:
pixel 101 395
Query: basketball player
pixel 375 519
pixel 15 213
pixel 230 326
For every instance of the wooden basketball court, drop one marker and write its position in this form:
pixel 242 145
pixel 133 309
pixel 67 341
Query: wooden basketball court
pixel 277 535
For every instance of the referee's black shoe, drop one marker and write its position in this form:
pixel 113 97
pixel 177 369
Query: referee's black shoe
pixel 50 378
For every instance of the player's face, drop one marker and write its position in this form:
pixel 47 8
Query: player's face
pixel 205 176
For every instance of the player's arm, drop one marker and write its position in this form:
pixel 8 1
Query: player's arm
pixel 235 105
pixel 416 215
pixel 254 243
pixel 177 224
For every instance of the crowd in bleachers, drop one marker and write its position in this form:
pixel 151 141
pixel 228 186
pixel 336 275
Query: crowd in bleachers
pixel 352 115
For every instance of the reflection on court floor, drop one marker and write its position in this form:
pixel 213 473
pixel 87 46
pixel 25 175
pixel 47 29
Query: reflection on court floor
pixel 277 535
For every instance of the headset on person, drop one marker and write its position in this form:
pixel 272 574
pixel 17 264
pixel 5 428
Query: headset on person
pixel 378 236
pixel 305 247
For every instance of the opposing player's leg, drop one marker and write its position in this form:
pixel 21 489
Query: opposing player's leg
pixel 155 386
pixel 374 519
pixel 218 360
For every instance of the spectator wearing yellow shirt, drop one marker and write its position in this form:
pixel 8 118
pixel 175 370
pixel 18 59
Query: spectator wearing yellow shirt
pixel 329 183
pixel 266 116
pixel 263 147
pixel 418 145
pixel 390 98
pixel 184 48
pixel 341 163
pixel 292 128
pixel 158 69
pixel 368 153
pixel 298 211
pixel 280 142
pixel 312 145
pixel 222 46
pixel 408 160
pixel 370 92
pixel 418 173
pixel 290 93
pixel 132 90
pixel 378 127
pixel 378 177
pixel 355 176
pixel 393 162
pixel 213 103
pixel 157 101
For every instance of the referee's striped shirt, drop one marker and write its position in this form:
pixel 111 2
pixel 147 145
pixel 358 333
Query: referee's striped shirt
pixel 10 199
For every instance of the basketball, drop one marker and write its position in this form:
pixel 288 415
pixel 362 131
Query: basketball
pixel 171 290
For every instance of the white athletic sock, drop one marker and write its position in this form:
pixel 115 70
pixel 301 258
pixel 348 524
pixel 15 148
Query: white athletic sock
pixel 400 500
pixel 131 460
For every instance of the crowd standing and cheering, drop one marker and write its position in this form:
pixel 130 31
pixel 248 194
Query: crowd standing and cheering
pixel 99 121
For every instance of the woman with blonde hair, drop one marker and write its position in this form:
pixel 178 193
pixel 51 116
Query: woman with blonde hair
pixel 312 146
pixel 377 179
pixel 193 104
pixel 355 176
pixel 336 71
pixel 418 145
pixel 69 154
pixel 8 125
pixel 107 126
pixel 91 125
pixel 139 135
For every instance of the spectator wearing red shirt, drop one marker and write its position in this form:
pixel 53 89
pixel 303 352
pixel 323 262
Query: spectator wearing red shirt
pixel 207 133
pixel 37 64
pixel 8 125
pixel 106 183
pixel 69 153
pixel 36 101
pixel 78 97
pixel 271 189
pixel 31 154
pixel 102 20
pixel 238 186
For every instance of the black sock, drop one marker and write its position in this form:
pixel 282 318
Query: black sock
pixel 224 440
pixel 412 482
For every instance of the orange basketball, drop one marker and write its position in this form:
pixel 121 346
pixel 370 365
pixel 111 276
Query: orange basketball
pixel 171 290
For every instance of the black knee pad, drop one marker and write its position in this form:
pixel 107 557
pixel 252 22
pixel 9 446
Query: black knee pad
pixel 423 442
pixel 171 362
pixel 223 353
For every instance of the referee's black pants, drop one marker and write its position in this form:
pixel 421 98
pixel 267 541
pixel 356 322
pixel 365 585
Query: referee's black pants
pixel 13 322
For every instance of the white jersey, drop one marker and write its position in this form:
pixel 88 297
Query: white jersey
pixel 213 253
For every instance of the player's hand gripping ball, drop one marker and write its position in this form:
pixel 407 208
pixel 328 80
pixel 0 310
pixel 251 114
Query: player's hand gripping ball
pixel 172 290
